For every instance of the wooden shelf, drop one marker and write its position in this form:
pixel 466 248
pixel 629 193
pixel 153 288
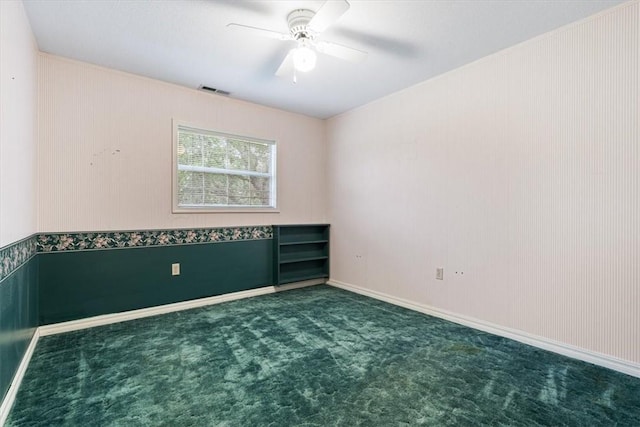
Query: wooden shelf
pixel 301 252
pixel 288 261
pixel 303 242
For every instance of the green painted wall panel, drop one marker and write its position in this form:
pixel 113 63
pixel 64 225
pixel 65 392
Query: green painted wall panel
pixel 18 318
pixel 79 284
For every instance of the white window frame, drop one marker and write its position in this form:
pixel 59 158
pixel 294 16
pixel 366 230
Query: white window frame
pixel 177 125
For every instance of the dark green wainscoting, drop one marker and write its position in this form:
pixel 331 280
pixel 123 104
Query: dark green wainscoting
pixel 80 284
pixel 18 318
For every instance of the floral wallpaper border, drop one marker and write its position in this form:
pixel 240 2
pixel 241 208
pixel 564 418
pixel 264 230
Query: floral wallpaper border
pixel 131 239
pixel 15 255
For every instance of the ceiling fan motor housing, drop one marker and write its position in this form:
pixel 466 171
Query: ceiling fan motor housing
pixel 298 21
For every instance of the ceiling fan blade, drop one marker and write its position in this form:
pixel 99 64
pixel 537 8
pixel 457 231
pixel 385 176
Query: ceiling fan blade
pixel 246 29
pixel 339 51
pixel 328 14
pixel 286 68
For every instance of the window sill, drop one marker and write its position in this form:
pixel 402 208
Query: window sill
pixel 224 210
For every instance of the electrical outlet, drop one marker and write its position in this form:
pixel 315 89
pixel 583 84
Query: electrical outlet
pixel 175 269
pixel 440 273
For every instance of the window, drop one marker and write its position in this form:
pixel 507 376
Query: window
pixel 217 171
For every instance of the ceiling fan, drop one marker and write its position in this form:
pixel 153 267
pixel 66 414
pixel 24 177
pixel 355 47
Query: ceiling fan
pixel 305 28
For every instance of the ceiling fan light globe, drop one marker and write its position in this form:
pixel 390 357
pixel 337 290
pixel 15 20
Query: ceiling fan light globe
pixel 304 59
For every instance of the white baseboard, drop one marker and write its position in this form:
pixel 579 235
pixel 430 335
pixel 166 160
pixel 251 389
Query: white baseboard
pixel 10 397
pixel 574 352
pixel 106 319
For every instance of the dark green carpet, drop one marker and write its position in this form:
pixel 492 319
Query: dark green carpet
pixel 311 357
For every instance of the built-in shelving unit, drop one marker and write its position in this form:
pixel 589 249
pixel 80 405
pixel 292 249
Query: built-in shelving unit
pixel 301 252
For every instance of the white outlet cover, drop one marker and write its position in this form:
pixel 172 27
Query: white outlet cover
pixel 175 269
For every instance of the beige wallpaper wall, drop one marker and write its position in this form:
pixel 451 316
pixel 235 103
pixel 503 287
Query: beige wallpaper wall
pixel 106 145
pixel 519 174
pixel 18 63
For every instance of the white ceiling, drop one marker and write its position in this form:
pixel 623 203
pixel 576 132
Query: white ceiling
pixel 188 43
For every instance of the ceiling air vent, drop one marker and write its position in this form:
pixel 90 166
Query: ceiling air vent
pixel 214 90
